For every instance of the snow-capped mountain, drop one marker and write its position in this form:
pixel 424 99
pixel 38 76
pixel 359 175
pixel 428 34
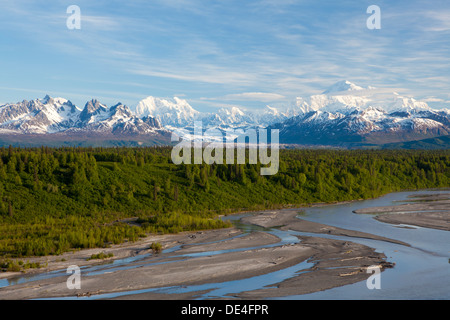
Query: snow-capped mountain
pixel 178 116
pixel 118 119
pixel 39 116
pixel 347 113
pixel 228 118
pixel 343 114
pixel 342 86
pixel 59 115
pixel 176 112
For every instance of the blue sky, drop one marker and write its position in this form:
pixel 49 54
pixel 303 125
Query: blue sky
pixel 221 52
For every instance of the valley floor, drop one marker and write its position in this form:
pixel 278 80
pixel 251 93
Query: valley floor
pixel 223 255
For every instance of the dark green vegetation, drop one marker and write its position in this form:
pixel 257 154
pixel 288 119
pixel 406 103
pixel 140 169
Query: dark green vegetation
pixel 60 199
pixel 86 140
pixel 156 247
pixel 442 142
pixel 16 266
pixel 101 256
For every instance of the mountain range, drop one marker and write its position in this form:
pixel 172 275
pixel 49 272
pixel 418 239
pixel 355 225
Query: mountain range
pixel 57 121
pixel 345 115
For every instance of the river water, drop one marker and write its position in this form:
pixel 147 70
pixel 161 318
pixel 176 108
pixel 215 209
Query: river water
pixel 422 271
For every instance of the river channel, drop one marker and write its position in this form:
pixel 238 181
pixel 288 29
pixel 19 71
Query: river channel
pixel 422 270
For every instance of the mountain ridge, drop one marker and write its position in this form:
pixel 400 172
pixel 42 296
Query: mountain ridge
pixel 344 114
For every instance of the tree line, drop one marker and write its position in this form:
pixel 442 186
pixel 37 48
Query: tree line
pixel 53 200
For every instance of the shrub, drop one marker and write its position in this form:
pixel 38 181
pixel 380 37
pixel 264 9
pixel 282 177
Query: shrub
pixel 156 247
pixel 100 256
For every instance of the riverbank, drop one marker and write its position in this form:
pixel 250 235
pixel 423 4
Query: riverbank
pixel 221 255
pixel 427 210
pixel 210 257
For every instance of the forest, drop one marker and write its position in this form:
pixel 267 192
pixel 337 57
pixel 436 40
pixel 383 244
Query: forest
pixel 54 200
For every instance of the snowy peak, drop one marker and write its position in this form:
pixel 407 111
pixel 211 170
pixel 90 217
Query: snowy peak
pixel 118 119
pixel 47 99
pixel 406 104
pixel 232 115
pixel 232 112
pixel 346 97
pixel 152 105
pixel 91 109
pixel 347 113
pixel 271 110
pixel 56 103
pixel 342 86
pixel 57 115
pixel 120 110
pixel 38 116
pixel 148 106
pixel 176 112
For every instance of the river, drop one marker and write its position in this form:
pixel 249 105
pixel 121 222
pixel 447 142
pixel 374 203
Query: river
pixel 422 271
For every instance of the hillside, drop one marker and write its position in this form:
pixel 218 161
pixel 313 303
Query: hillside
pixel 426 144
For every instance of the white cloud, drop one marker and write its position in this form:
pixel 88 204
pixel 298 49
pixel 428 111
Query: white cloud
pixel 264 49
pixel 441 21
pixel 206 73
pixel 254 96
pixel 432 99
pixel 101 22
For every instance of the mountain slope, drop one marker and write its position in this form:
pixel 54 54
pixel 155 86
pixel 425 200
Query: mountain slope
pixel 56 121
pixel 341 86
pixel 349 114
pixel 60 115
pixel 176 112
pixel 442 142
pixel 39 116
pixel 345 115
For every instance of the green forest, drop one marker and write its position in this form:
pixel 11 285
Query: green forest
pixel 54 200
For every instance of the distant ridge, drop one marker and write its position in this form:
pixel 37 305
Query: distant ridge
pixel 442 142
pixel 345 115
